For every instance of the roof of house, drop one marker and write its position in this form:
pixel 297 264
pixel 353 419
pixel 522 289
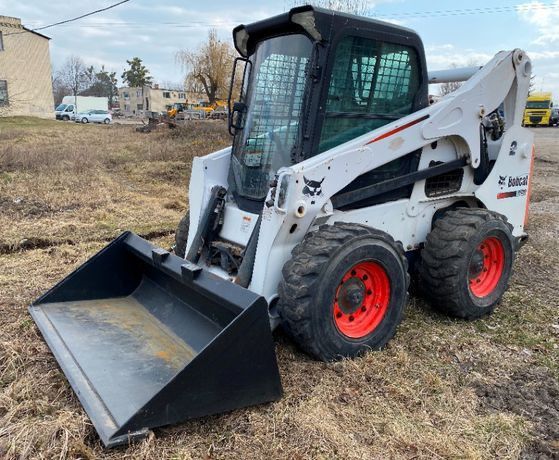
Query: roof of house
pixel 36 33
pixel 15 23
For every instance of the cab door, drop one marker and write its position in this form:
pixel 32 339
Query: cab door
pixel 372 82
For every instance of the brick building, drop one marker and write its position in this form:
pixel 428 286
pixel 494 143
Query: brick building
pixel 25 70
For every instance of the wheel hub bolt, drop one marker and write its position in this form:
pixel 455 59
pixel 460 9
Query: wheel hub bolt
pixel 351 296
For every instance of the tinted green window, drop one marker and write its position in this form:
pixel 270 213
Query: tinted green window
pixel 372 83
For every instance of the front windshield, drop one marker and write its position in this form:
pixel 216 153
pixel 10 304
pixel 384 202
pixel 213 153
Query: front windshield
pixel 538 104
pixel 274 102
pixel 61 107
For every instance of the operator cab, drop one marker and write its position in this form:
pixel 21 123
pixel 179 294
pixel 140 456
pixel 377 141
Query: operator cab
pixel 312 80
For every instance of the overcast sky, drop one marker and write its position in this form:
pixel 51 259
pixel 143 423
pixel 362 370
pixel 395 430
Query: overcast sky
pixel 155 30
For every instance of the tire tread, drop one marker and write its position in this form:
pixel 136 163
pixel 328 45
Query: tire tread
pixel 301 275
pixel 440 258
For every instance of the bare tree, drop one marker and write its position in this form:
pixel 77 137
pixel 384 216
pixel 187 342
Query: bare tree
pixel 447 88
pixel 210 66
pixel 59 88
pixel 73 75
pixel 450 87
pixel 358 7
pixel 172 85
pixel 193 86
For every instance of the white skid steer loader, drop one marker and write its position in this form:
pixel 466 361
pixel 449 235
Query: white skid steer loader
pixel 341 180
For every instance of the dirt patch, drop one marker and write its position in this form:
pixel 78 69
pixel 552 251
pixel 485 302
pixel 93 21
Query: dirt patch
pixel 175 173
pixel 545 160
pixel 543 194
pixel 532 393
pixel 31 243
pixel 28 244
pixel 23 207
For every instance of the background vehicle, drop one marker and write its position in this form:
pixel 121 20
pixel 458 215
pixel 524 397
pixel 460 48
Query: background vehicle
pixel 220 113
pixel 94 116
pixel 340 178
pixel 65 112
pixel 71 105
pixel 538 109
pixel 554 120
pixel 175 109
pixel 207 108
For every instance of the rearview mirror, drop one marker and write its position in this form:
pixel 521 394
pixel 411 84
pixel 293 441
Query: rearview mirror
pixel 236 112
pixel 237 117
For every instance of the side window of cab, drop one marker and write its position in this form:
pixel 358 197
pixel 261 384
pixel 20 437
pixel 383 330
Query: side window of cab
pixel 372 83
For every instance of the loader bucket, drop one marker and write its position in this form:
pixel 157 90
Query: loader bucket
pixel 148 339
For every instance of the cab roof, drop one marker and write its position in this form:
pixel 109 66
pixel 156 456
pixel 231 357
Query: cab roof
pixel 319 24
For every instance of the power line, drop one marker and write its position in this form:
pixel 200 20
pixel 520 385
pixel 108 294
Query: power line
pixel 376 15
pixel 82 16
pixel 72 19
pixel 471 11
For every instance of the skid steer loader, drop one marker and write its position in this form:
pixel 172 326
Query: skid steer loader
pixel 341 180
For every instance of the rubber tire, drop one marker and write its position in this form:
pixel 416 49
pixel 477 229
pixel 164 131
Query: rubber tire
pixel 106 121
pixel 445 260
pixel 181 235
pixel 65 118
pixel 85 120
pixel 310 280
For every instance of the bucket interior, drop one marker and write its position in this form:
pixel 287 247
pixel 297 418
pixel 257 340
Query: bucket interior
pixel 145 339
pixel 129 347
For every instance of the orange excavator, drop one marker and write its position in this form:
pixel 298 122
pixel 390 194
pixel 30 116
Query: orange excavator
pixel 175 109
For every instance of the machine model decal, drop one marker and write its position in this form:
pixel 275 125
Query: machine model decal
pixel 398 129
pixel 516 193
pixel 513 182
pixel 312 187
pixel 513 147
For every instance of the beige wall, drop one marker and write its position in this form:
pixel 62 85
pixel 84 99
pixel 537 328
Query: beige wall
pixel 25 65
pixel 130 98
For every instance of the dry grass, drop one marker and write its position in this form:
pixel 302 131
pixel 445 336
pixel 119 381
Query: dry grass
pixel 62 182
pixel 443 388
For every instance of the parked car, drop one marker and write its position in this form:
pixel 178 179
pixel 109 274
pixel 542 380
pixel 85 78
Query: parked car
pixel 94 116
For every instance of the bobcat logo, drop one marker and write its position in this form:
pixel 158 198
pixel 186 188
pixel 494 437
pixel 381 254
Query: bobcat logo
pixel 502 180
pixel 312 187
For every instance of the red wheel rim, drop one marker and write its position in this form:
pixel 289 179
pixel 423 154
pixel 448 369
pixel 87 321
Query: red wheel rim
pixel 486 267
pixel 362 299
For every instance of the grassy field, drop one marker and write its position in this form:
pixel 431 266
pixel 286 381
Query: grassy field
pixel 442 388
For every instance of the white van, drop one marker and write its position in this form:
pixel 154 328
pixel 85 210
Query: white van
pixel 71 105
pixel 65 112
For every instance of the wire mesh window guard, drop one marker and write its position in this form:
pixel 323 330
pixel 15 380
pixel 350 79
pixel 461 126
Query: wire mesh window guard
pixel 372 83
pixel 274 102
